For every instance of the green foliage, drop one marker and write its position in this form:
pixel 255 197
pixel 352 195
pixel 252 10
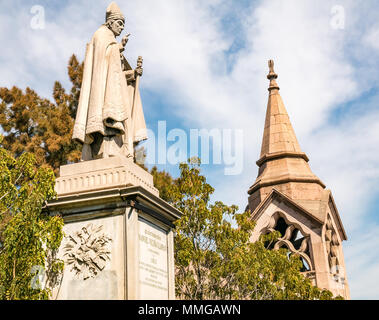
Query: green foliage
pixel 29 239
pixel 163 182
pixel 214 256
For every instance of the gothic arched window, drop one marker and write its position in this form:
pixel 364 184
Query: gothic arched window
pixel 292 238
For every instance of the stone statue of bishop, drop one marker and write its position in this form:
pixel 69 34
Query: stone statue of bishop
pixel 109 119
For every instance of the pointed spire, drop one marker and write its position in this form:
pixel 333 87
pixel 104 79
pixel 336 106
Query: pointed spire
pixel 278 136
pixel 281 159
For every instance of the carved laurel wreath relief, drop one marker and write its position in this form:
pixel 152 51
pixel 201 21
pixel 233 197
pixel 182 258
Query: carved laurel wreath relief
pixel 87 251
pixel 292 238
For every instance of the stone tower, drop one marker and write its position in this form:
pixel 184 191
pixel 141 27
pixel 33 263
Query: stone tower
pixel 288 197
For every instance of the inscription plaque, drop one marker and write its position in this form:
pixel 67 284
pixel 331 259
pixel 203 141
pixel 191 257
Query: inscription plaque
pixel 153 264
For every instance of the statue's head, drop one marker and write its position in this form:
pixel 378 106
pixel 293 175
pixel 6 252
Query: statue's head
pixel 116 26
pixel 114 19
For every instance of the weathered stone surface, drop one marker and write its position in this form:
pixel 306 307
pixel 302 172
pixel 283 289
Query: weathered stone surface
pixel 286 188
pixel 119 240
pixel 153 262
pixel 103 230
pixel 102 174
pixel 108 282
pixel 109 119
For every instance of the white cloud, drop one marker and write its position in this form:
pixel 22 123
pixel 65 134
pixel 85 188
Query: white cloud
pixel 345 157
pixel 372 38
pixel 38 57
pixel 363 263
pixel 184 45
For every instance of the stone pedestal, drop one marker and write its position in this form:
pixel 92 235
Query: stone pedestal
pixel 118 240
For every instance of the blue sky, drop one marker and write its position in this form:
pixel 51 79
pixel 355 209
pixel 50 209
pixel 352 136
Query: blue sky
pixel 205 66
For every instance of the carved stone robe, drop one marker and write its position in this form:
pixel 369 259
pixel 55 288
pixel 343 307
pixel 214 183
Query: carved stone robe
pixel 109 118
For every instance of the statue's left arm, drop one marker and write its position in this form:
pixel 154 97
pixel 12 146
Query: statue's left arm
pixel 130 74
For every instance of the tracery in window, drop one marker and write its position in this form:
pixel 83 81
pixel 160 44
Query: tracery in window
pixel 291 238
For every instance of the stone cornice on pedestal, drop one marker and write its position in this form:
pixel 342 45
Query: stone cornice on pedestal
pixel 102 174
pixel 106 187
pixel 83 205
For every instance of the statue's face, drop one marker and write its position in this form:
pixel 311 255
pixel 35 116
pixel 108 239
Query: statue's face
pixel 117 26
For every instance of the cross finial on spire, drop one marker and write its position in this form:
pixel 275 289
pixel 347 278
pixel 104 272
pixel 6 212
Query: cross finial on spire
pixel 271 67
pixel 272 76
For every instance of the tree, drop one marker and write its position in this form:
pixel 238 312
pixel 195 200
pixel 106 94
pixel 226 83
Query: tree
pixel 29 239
pixel 163 182
pixel 215 260
pixel 44 128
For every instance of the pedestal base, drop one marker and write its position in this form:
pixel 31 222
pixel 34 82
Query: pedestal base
pixel 118 237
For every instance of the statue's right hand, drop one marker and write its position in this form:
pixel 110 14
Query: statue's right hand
pixel 125 40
